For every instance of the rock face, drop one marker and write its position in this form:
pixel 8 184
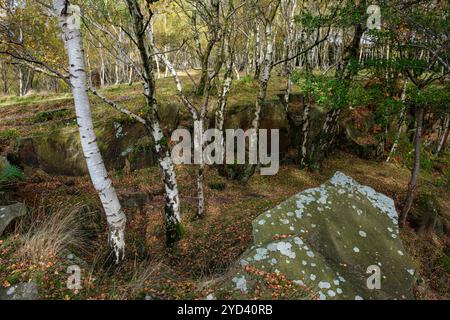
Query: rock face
pixel 134 200
pixel 9 213
pixel 123 145
pixel 426 216
pixel 326 238
pixel 22 291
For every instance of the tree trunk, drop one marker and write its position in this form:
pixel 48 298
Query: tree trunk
pixel 199 145
pixel 21 82
pixel 305 136
pixel 415 171
pixel 102 70
pixel 223 99
pixel 257 52
pixel 174 229
pixel 400 124
pixel 444 135
pixel 115 217
pixel 263 83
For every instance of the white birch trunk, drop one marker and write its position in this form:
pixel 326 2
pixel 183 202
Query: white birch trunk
pixel 305 136
pixel 174 229
pixel 114 215
pixel 223 99
pixel 444 134
pixel 257 52
pixel 265 75
pixel 289 51
pixel 400 124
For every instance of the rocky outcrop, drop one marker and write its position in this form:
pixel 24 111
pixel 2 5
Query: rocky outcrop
pixel 327 238
pixel 124 145
pixel 9 213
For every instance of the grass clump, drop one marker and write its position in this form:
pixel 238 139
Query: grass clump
pixel 49 235
pixel 8 134
pixel 11 174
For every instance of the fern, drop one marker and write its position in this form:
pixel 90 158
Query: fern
pixel 10 174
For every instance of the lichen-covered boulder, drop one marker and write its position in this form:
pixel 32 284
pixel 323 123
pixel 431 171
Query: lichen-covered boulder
pixel 327 238
pixel 21 291
pixel 9 213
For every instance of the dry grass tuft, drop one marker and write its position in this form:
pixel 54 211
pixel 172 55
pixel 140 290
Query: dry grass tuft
pixel 143 273
pixel 49 234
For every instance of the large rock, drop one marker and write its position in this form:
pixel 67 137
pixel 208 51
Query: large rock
pixel 9 213
pixel 123 145
pixel 326 238
pixel 359 131
pixel 426 216
pixel 3 163
pixel 22 291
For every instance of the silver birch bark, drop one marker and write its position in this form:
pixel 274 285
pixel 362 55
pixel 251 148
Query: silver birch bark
pixel 289 49
pixel 400 124
pixel 257 52
pixel 264 78
pixel 223 98
pixel 174 229
pixel 444 134
pixel 103 185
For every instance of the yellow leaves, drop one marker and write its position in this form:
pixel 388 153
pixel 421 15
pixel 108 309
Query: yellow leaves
pixel 6 284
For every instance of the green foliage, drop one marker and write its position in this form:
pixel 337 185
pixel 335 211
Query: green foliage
pixel 426 159
pixel 445 260
pixel 11 174
pixel 330 92
pixel 433 97
pixel 247 80
pixel 443 181
pixel 386 109
pixel 8 134
pixel 45 116
pixel 310 21
pixel 325 91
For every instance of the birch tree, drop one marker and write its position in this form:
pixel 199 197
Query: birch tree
pixel 174 229
pixel 401 122
pixel 114 215
pixel 422 31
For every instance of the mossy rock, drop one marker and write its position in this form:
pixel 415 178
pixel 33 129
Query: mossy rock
pixel 56 153
pixel 425 216
pixel 326 238
pixel 358 137
pixel 122 144
pixel 3 163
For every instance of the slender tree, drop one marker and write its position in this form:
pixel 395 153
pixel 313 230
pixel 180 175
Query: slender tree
pixel 72 37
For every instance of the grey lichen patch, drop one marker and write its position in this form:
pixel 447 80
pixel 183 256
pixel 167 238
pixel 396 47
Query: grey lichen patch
pixel 241 283
pixel 327 237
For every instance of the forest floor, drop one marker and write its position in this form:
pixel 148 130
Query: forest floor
pixel 210 247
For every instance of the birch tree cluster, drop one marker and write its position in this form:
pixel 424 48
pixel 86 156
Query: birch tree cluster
pixel 326 49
